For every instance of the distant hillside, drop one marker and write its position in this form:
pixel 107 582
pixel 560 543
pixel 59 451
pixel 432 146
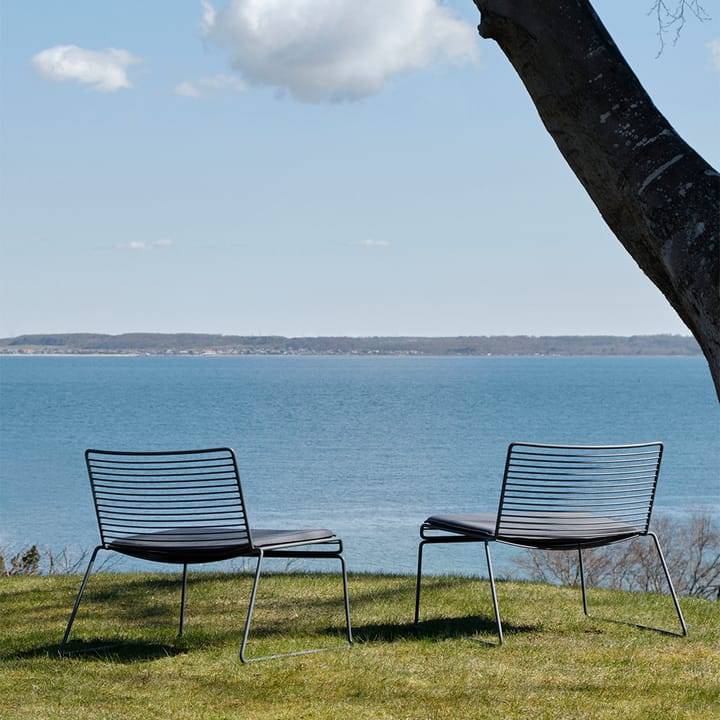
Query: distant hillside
pixel 201 344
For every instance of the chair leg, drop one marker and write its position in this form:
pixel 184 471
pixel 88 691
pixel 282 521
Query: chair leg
pixel 582 582
pixel 347 598
pixel 251 606
pixel 182 599
pixel 77 600
pixel 417 586
pixel 669 582
pixel 494 594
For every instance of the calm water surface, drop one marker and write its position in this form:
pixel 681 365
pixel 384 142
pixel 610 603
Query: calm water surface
pixel 366 446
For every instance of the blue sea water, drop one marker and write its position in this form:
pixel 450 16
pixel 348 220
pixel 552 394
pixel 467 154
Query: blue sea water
pixel 366 446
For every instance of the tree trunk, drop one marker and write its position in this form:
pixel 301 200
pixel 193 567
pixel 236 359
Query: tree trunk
pixel 658 196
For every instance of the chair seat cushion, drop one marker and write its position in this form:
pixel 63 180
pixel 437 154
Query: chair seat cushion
pixel 481 524
pixel 184 544
pixel 270 538
pixel 209 544
pixel 543 529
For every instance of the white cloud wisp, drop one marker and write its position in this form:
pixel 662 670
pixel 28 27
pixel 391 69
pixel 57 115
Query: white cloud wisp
pixel 139 245
pixel 714 48
pixel 209 85
pixel 372 242
pixel 322 51
pixel 102 70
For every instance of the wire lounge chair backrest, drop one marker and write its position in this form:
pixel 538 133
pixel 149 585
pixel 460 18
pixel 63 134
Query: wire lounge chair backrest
pixel 577 495
pixel 153 495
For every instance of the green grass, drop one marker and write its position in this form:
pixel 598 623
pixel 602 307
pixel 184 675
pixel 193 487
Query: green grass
pixel 555 663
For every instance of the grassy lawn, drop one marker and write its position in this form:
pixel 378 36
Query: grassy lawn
pixel 555 663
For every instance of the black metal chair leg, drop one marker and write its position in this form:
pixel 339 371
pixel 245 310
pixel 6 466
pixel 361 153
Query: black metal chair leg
pixel 347 599
pixel 182 599
pixel 417 586
pixel 251 605
pixel 582 582
pixel 669 582
pixel 494 593
pixel 78 598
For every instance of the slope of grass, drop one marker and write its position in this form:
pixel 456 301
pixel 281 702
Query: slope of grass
pixel 555 663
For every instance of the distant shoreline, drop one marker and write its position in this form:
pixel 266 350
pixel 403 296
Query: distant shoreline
pixel 207 345
pixel 289 356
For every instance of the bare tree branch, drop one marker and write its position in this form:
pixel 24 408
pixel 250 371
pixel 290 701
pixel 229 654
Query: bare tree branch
pixel 692 552
pixel 671 17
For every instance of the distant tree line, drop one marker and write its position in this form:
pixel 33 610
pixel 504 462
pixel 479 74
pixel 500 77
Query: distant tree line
pixel 198 344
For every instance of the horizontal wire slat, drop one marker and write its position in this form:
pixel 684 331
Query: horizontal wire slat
pixel 580 461
pixel 583 452
pixel 639 489
pixel 577 477
pixel 629 482
pixel 179 529
pixel 158 506
pixel 127 515
pixel 531 520
pixel 181 492
pixel 173 477
pixel 172 459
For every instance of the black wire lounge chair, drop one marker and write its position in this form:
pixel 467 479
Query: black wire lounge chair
pixel 187 507
pixel 561 497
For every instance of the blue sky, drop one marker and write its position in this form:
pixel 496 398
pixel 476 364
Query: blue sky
pixel 340 169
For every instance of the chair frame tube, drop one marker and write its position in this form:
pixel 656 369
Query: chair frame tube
pixel 182 599
pixel 663 563
pixel 281 553
pixel 261 553
pixel 444 539
pixel 83 585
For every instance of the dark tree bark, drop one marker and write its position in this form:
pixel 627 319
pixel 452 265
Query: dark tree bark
pixel 658 196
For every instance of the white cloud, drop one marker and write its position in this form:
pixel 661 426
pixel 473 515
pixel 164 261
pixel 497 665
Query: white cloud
pixel 371 242
pixel 138 245
pixel 103 70
pixel 205 86
pixel 187 89
pixel 714 48
pixel 334 50
pixel 208 18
